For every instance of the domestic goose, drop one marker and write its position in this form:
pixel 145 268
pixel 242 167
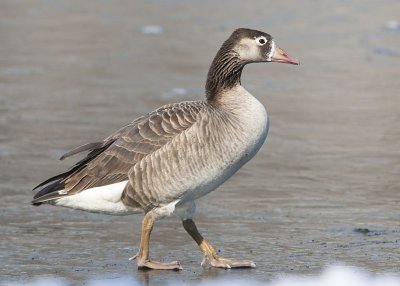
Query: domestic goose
pixel 162 162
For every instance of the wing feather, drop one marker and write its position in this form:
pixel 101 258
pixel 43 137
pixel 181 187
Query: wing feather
pixel 110 160
pixel 83 148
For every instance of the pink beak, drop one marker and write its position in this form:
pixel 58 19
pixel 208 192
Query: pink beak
pixel 280 56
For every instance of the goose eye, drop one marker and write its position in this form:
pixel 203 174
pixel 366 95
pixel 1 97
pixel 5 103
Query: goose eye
pixel 261 41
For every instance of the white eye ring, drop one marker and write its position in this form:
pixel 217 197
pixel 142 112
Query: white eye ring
pixel 261 41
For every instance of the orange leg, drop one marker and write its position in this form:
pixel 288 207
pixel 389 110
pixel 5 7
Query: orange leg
pixel 143 260
pixel 211 258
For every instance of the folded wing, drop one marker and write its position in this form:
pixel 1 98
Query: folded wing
pixel 110 160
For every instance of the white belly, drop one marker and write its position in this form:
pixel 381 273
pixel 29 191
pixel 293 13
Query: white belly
pixel 105 199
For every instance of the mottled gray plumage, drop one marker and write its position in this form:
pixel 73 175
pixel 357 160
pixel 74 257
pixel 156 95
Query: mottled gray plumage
pixel 133 154
pixel 162 162
pixel 125 148
pixel 177 148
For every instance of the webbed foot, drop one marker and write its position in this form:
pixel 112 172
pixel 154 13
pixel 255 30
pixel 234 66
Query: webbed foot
pixel 148 264
pixel 221 262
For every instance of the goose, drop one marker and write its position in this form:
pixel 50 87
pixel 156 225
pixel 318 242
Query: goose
pixel 160 163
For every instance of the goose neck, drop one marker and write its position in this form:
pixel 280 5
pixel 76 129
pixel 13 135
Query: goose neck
pixel 224 74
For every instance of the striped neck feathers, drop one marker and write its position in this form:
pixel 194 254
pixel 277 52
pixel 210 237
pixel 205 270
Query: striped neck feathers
pixel 225 71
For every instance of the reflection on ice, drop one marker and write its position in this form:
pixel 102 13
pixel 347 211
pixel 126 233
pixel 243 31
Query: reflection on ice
pixel 340 275
pixel 332 276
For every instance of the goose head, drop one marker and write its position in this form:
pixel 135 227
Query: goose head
pixel 244 46
pixel 256 46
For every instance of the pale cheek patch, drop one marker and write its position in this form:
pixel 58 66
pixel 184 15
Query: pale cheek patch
pixel 248 50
